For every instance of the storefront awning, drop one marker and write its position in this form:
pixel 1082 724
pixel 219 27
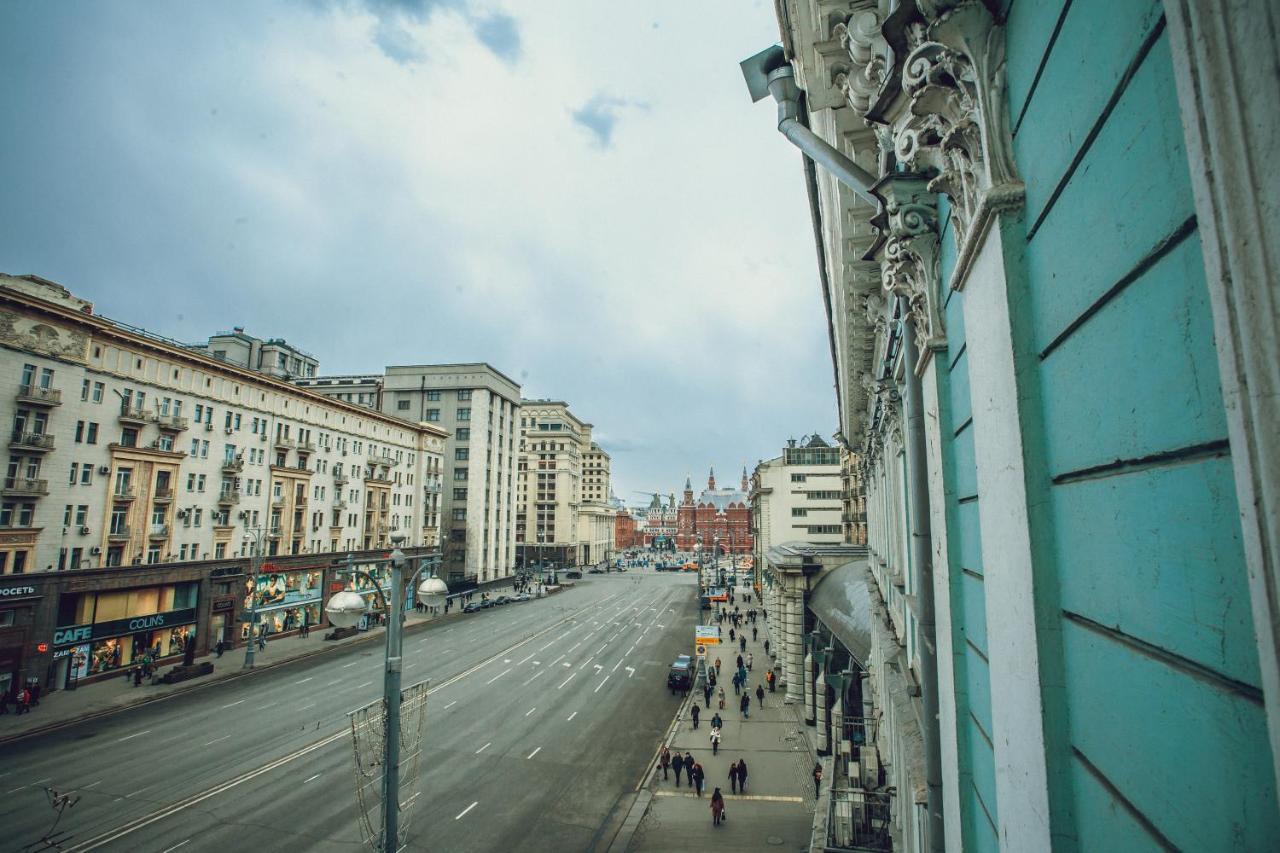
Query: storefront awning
pixel 840 601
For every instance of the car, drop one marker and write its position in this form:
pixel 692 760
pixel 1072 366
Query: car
pixel 500 600
pixel 573 574
pixel 680 676
pixel 473 607
pixel 524 596
pixel 596 571
pixel 486 602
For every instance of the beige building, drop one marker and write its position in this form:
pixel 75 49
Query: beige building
pixel 127 448
pixel 798 496
pixel 563 514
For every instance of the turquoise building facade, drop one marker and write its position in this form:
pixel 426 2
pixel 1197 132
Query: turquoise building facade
pixel 1054 337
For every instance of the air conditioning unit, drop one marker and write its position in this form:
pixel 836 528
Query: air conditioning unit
pixel 344 451
pixel 95 550
pixel 208 426
pixel 262 436
pixel 230 430
pixel 244 513
pixel 155 445
pixel 103 469
pixel 183 513
pixel 84 531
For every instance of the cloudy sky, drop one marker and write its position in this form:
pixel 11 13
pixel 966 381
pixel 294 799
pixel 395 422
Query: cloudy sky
pixel 580 193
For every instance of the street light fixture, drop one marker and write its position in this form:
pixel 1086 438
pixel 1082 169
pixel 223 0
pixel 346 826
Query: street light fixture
pixel 253 535
pixel 345 610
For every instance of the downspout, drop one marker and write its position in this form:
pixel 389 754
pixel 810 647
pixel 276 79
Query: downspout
pixel 922 559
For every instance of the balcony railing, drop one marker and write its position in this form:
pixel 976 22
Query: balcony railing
pixel 228 498
pixel 124 493
pixel 859 820
pixel 159 531
pixel 134 415
pixel 25 487
pixel 38 441
pixel 274 533
pixel 277 500
pixel 37 396
pixel 306 446
pixel 285 443
pixel 172 423
pixel 119 533
pixel 232 466
pixel 163 495
pixel 340 479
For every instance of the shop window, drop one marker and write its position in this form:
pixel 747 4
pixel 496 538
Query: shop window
pixel 7 618
pixel 112 605
pixel 143 602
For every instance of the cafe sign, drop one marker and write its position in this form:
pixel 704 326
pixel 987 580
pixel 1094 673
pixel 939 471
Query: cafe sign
pixel 73 634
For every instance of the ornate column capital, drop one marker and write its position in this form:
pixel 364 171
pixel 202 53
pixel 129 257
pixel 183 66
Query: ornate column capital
pixel 958 122
pixel 866 49
pixel 910 263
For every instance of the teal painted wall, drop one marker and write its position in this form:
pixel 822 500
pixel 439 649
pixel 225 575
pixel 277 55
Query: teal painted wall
pixel 1163 740
pixel 978 806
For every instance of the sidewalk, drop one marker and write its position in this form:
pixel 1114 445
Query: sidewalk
pixel 63 707
pixel 776 813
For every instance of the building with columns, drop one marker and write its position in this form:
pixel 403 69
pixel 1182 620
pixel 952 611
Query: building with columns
pixel 1048 267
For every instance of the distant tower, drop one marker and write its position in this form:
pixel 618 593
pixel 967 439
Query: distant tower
pixel 711 481
pixel 688 491
pixel 746 486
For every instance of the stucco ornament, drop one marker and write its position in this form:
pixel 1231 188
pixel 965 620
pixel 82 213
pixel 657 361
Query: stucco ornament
pixel 910 265
pixel 958 123
pixel 860 37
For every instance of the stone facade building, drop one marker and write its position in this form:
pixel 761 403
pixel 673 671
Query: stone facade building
pixel 1049 273
pixel 718 518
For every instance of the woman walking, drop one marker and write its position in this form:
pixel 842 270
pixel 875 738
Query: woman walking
pixel 717 807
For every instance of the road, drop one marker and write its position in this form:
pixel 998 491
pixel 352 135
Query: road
pixel 541 720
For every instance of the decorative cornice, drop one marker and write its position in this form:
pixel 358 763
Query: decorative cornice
pixel 958 123
pixel 910 264
pixel 867 50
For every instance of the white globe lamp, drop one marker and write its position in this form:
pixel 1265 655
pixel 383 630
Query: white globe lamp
pixel 432 592
pixel 345 609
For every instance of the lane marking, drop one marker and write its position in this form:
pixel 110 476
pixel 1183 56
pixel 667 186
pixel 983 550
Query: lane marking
pixel 571 716
pixel 618 664
pixel 176 846
pixel 366 684
pixel 218 740
pixel 631 672
pixel 584 663
pixel 96 784
pixel 132 736
pixel 235 703
pixel 530 711
pixel 309 705
pixel 312 779
pixel 556 661
pixel 499 675
pixel 531 678
pixel 305 680
pixel 575 645
pixel 483 748
pixel 268 705
pixel 450 705
pixel 353 663
pixel 532 754
pixel 601 684
pixel 531 654
pixel 567 680
pixel 467 809
pixel 332 683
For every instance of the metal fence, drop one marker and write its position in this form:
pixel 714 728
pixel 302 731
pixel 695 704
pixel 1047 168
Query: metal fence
pixel 859 820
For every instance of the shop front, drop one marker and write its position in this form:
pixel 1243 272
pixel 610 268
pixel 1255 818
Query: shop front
pixel 381 573
pixel 284 601
pixel 18 603
pixel 101 632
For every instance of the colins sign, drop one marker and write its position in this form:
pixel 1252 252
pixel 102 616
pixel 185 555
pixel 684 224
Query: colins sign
pixel 73 634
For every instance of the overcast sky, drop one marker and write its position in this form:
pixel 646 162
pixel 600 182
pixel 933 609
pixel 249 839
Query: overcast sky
pixel 581 194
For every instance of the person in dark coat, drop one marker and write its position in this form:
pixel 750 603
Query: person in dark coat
pixel 742 774
pixel 706 694
pixel 35 693
pixel 697 776
pixel 717 807
pixel 733 777
pixel 664 761
pixel 760 694
pixel 688 765
pixel 817 779
pixel 716 722
pixel 745 705
pixel 693 712
pixel 677 764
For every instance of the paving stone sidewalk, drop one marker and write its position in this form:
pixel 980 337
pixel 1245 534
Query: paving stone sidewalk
pixel 776 812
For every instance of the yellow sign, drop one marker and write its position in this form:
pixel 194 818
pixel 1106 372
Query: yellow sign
pixel 707 635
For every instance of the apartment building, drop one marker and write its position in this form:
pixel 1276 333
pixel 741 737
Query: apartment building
pixel 553 442
pixel 596 531
pixel 163 465
pixel 273 356
pixel 798 496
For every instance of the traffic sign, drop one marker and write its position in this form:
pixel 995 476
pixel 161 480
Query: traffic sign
pixel 702 650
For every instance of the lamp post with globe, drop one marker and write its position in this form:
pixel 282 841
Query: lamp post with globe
pixel 345 609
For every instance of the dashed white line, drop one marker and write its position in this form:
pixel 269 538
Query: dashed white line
pixel 530 711
pixel 532 677
pixel 571 716
pixel 217 740
pixel 584 663
pixel 176 846
pixel 335 681
pixel 618 664
pixel 305 680
pixel 235 703
pixel 567 680
pixel 96 784
pixel 467 809
pixel 308 705
pixel 450 705
pixel 575 645
pixel 499 675
pixel 366 684
pixel 483 748
pixel 132 736
pixel 353 663
pixel 312 779
pixel 556 661
pixel 268 705
pixel 535 752
pixel 530 657
pixel 601 684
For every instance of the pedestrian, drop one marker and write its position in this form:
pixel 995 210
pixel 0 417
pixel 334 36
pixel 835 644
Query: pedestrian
pixel 732 635
pixel 688 765
pixel 218 649
pixel 715 740
pixel 717 807
pixel 739 663
pixel 4 700
pixel 137 676
pixel 736 684
pixel 722 698
pixel 698 775
pixel 751 659
pixel 770 679
pixel 760 694
pixel 733 777
pixel 764 613
pixel 664 761
pixel 677 764
pixel 766 645
pixel 711 677
pixel 706 695
pixel 35 693
pixel 24 702
pixel 694 713
pixel 742 642
pixel 717 666
pixel 755 633
pixel 716 722
pixel 817 779
pixel 745 705
pixel 742 774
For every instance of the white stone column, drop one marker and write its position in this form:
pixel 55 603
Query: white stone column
pixel 821 719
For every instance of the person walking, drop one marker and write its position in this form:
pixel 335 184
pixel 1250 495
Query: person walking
pixel 716 722
pixel 4 700
pixel 717 666
pixel 817 779
pixel 755 633
pixel 739 663
pixel 722 697
pixel 688 765
pixel 735 684
pixel 760 694
pixel 24 701
pixel 733 777
pixel 664 761
pixel 693 712
pixel 769 679
pixel 677 764
pixel 732 636
pixel 717 807
pixel 751 659
pixel 742 642
pixel 35 693
pixel 742 774
pixel 706 694
pixel 766 645
pixel 697 776
pixel 715 740
pixel 745 705
pixel 137 676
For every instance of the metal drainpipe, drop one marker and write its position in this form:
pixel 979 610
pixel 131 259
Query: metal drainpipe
pixel 922 558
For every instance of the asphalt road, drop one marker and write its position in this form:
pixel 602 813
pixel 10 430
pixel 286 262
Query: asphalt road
pixel 542 719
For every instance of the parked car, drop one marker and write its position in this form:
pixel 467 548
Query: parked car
pixel 595 570
pixel 473 607
pixel 524 596
pixel 680 676
pixel 486 602
pixel 500 600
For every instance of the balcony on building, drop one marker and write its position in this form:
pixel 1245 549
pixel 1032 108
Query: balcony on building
pixel 124 493
pixel 277 500
pixel 305 446
pixel 34 395
pixel 379 479
pixel 37 442
pixel 340 479
pixel 228 497
pixel 119 533
pixel 274 533
pixel 859 820
pixel 171 423
pixel 163 495
pixel 158 531
pixel 134 415
pixel 24 487
pixel 284 443
pixel 233 466
pixel 339 504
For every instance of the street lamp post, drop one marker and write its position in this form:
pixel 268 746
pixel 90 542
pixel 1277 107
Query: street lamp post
pixel 345 610
pixel 254 567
